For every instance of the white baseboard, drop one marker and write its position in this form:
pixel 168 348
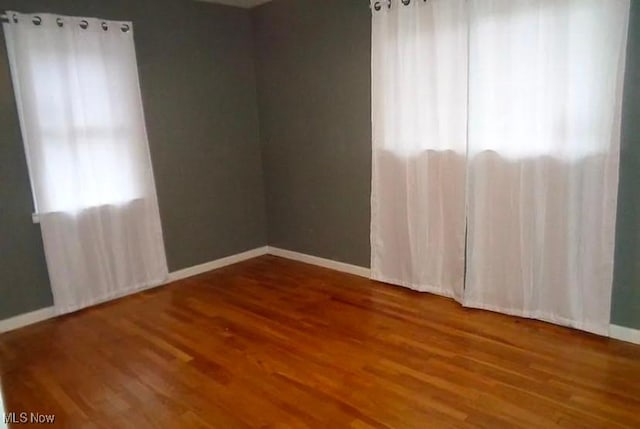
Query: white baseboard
pixel 47 313
pixel 218 263
pixel 617 332
pixel 321 262
pixel 26 319
pixel 625 334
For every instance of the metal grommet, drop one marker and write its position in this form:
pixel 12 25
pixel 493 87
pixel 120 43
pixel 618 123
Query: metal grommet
pixel 84 24
pixel 37 20
pixel 60 22
pixel 125 28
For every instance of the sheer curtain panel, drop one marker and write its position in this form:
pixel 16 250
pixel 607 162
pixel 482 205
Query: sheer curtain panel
pixel 501 117
pixel 545 93
pixel 78 97
pixel 419 113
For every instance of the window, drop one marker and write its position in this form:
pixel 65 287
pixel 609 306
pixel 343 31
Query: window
pixel 81 114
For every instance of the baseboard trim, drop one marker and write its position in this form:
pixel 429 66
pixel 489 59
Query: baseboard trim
pixel 218 263
pixel 26 319
pixel 321 262
pixel 617 332
pixel 625 334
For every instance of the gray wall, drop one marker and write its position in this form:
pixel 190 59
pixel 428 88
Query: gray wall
pixel 626 285
pixel 313 60
pixel 314 97
pixel 198 87
pixel 198 84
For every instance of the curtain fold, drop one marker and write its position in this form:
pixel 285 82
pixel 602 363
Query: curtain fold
pixel 419 140
pixel 78 97
pixel 501 117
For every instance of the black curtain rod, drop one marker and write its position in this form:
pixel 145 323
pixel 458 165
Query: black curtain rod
pixel 378 5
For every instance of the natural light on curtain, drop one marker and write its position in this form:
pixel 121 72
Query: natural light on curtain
pixel 545 93
pixel 83 131
pixel 496 134
pixel 419 117
pixel 541 76
pixel 76 85
pixel 422 55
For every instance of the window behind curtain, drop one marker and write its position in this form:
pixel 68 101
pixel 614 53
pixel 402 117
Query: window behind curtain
pixel 543 76
pixel 81 116
pixel 496 134
pixel 76 86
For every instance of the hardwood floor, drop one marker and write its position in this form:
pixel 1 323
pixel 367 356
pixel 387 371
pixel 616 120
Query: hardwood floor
pixel 275 343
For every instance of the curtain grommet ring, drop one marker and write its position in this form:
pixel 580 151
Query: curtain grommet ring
pixel 125 28
pixel 36 20
pixel 84 24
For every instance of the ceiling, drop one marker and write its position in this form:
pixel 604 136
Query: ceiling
pixel 238 3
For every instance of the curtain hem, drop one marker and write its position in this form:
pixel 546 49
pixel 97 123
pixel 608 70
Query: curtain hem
pixel 416 287
pixel 543 316
pixel 60 310
pixel 593 328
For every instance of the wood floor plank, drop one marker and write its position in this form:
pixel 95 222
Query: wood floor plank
pixel 272 343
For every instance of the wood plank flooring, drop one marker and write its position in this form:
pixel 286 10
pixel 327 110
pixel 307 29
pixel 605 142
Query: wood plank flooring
pixel 271 343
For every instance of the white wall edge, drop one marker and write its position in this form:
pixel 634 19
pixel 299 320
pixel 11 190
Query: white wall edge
pixel 321 262
pixel 218 263
pixel 26 319
pixel 625 334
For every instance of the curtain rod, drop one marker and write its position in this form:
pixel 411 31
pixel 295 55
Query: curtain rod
pixel 84 24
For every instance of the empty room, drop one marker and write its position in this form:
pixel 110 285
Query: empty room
pixel 320 214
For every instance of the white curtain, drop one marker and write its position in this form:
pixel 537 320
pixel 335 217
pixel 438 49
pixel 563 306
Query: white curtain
pixel 78 97
pixel 419 114
pixel 541 82
pixel 545 95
